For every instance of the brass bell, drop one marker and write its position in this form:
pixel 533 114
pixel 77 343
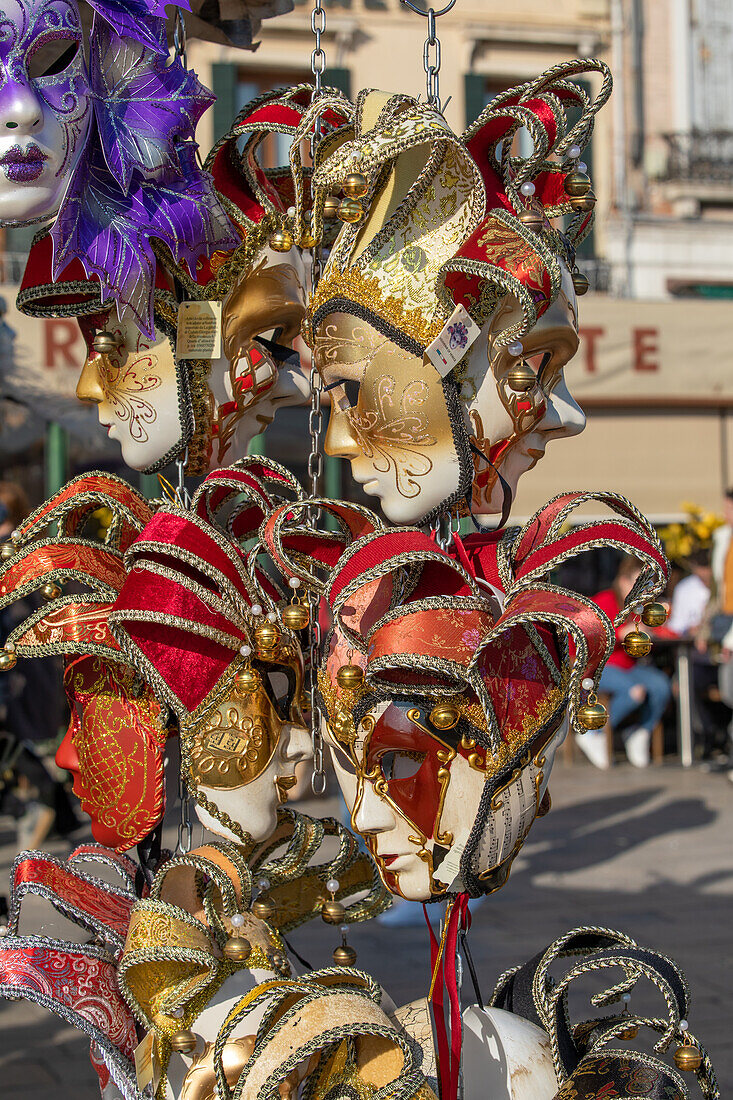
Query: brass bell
pixel 105 342
pixel 247 681
pixel 267 637
pixel 580 283
pixel 521 378
pixel 532 218
pixel 295 616
pixel 654 614
pixel 279 960
pixel 350 210
pixel 263 907
pixel 6 551
pixel 307 240
pixel 576 184
pixel 281 240
pixel 583 204
pixel 350 677
pixel 331 208
pixel 184 1042
pixel 51 591
pixel 629 1033
pixel 8 660
pixel 592 716
pixel 687 1058
pixel 344 955
pixel 333 911
pixel 445 716
pixel 237 949
pixel 355 186
pixel 637 643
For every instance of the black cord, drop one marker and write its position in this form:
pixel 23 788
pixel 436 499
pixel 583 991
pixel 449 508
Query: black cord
pixel 463 944
pixel 291 949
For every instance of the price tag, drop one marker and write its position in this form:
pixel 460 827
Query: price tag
pixel 450 345
pixel 199 330
pixel 147 1067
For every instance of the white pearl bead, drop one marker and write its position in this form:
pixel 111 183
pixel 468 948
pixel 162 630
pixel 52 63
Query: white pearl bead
pixel 271 616
pixel 237 920
pixel 344 929
pixel 587 684
pixel 582 166
pixel 626 998
pixel 516 347
pixel 684 1026
pixel 574 152
pixel 256 609
pixel 177 1013
pixel 291 211
pixel 263 882
pixel 527 188
pixel 3 930
pixel 14 535
pixel 245 650
pixel 332 885
pixel 294 582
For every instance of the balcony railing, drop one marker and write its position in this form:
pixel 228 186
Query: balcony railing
pixel 702 157
pixel 597 272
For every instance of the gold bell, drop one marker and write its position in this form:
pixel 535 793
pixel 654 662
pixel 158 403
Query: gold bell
pixel 654 614
pixel 331 208
pixel 281 240
pixel 350 677
pixel 247 681
pixel 8 660
pixel 6 551
pixel 184 1042
pixel 592 715
pixel 637 643
pixel 237 949
pixel 577 184
pixel 51 591
pixel 687 1058
pixel 279 960
pixel 629 1033
pixel 307 240
pixel 344 955
pixel 355 186
pixel 445 716
pixel 263 907
pixel 105 342
pixel 580 283
pixel 521 377
pixel 333 911
pixel 267 637
pixel 295 616
pixel 533 219
pixel 583 204
pixel 350 210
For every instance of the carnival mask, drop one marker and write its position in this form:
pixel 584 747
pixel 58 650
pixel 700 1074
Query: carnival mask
pixel 44 106
pixel 114 750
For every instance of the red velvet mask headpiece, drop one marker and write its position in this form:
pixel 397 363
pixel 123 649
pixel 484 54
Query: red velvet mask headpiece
pixel 116 737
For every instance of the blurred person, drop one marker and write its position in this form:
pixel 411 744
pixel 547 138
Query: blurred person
pixel 31 710
pixel 637 691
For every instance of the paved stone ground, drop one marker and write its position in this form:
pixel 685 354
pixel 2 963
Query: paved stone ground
pixel 649 853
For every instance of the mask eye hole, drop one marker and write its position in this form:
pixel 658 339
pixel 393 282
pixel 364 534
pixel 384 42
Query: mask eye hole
pixel 52 57
pixel 279 683
pixel 399 764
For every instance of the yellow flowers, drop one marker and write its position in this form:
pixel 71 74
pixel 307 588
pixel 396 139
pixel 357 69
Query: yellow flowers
pixel 695 533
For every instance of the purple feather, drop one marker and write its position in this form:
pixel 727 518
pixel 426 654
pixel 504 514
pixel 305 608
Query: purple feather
pixel 134 18
pixel 144 107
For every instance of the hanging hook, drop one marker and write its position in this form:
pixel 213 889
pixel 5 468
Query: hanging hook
pixel 431 65
pixel 429 12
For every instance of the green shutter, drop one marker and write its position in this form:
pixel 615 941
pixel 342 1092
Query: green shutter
pixel 224 80
pixel 338 78
pixel 474 85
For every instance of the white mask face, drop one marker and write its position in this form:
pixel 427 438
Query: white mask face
pixel 44 106
pixel 512 428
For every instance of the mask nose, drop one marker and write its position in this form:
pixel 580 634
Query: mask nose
pixel 373 815
pixel 340 441
pixel 88 388
pixel 21 112
pixel 296 744
pixel 564 416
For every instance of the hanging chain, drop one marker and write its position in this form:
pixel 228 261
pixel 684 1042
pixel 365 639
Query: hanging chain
pixel 183 497
pixel 315 423
pixel 431 52
pixel 185 827
pixel 179 38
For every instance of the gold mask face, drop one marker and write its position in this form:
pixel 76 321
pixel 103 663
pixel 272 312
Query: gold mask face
pixel 234 737
pixel 389 418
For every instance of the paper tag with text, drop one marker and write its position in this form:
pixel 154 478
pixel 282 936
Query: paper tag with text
pixel 147 1066
pixel 199 330
pixel 450 345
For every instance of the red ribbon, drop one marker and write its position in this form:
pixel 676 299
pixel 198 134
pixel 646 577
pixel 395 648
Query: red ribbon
pixel 443 962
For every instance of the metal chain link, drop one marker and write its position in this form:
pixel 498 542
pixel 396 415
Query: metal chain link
pixel 179 38
pixel 315 425
pixel 183 497
pixel 184 842
pixel 431 61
